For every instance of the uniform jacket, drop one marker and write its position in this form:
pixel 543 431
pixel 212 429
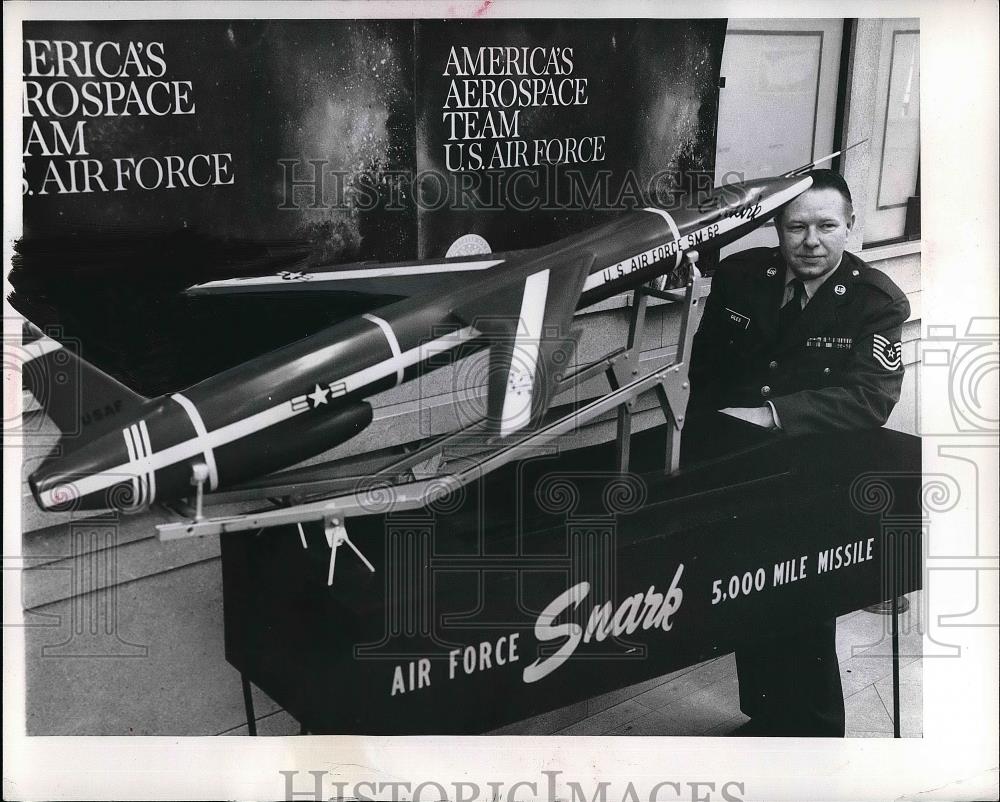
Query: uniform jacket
pixel 839 366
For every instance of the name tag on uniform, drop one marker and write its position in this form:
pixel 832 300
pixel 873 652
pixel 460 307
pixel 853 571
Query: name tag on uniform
pixel 829 342
pixel 738 318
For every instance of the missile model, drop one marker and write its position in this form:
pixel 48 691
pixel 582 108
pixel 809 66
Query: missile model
pixel 302 399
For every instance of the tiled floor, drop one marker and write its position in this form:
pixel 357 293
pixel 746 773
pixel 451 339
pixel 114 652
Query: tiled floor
pixel 704 699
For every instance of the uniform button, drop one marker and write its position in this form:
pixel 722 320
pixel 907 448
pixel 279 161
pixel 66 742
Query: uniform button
pixel 826 371
pixel 773 365
pixel 765 390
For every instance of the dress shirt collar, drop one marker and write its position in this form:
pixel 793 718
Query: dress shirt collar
pixel 811 285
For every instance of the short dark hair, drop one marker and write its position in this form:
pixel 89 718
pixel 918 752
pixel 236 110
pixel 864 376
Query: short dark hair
pixel 827 179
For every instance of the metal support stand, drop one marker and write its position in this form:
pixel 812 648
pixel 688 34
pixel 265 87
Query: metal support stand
pixel 621 367
pixel 624 370
pixel 671 393
pixel 894 624
pixel 336 536
pixel 199 475
pixel 892 608
pixel 248 705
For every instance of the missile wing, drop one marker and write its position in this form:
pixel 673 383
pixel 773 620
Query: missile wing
pixel 81 401
pixel 403 279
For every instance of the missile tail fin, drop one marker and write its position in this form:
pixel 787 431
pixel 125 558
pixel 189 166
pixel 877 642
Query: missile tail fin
pixel 79 398
pixel 528 323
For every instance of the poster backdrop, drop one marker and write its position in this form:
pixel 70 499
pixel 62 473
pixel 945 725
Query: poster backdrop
pixel 546 127
pixel 161 154
pixel 227 103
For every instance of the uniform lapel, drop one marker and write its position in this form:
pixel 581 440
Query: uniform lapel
pixel 821 311
pixel 765 297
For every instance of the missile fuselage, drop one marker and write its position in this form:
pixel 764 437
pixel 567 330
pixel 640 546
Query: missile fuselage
pixel 306 397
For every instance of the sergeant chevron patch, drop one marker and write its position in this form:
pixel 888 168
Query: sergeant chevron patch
pixel 888 355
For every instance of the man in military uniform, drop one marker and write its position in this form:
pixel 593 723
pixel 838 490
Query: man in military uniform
pixel 804 338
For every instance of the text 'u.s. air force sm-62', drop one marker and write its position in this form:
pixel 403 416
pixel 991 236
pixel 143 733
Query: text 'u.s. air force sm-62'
pixel 304 398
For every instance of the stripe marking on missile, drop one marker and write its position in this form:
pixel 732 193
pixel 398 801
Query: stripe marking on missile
pixel 695 238
pixel 390 337
pixel 151 476
pixel 524 360
pixel 254 423
pixel 673 228
pixel 140 452
pixel 139 449
pixel 202 432
pixel 133 457
pixel 347 275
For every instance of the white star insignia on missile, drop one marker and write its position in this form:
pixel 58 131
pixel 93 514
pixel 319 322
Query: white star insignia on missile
pixel 319 395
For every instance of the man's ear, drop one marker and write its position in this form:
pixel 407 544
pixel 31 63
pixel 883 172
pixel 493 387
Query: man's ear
pixel 850 222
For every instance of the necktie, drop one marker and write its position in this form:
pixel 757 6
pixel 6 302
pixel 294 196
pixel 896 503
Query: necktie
pixel 790 312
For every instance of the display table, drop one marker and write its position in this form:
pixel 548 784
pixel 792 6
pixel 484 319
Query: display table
pixel 556 579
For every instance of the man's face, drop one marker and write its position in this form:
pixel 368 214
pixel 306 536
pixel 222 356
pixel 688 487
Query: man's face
pixel 812 232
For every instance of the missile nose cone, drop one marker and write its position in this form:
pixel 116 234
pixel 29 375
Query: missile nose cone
pixel 791 187
pixel 774 192
pixel 779 185
pixel 802 182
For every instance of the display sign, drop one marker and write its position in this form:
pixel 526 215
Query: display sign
pixel 538 129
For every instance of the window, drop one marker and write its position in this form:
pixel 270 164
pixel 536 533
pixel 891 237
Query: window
pixel 894 175
pixel 777 109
